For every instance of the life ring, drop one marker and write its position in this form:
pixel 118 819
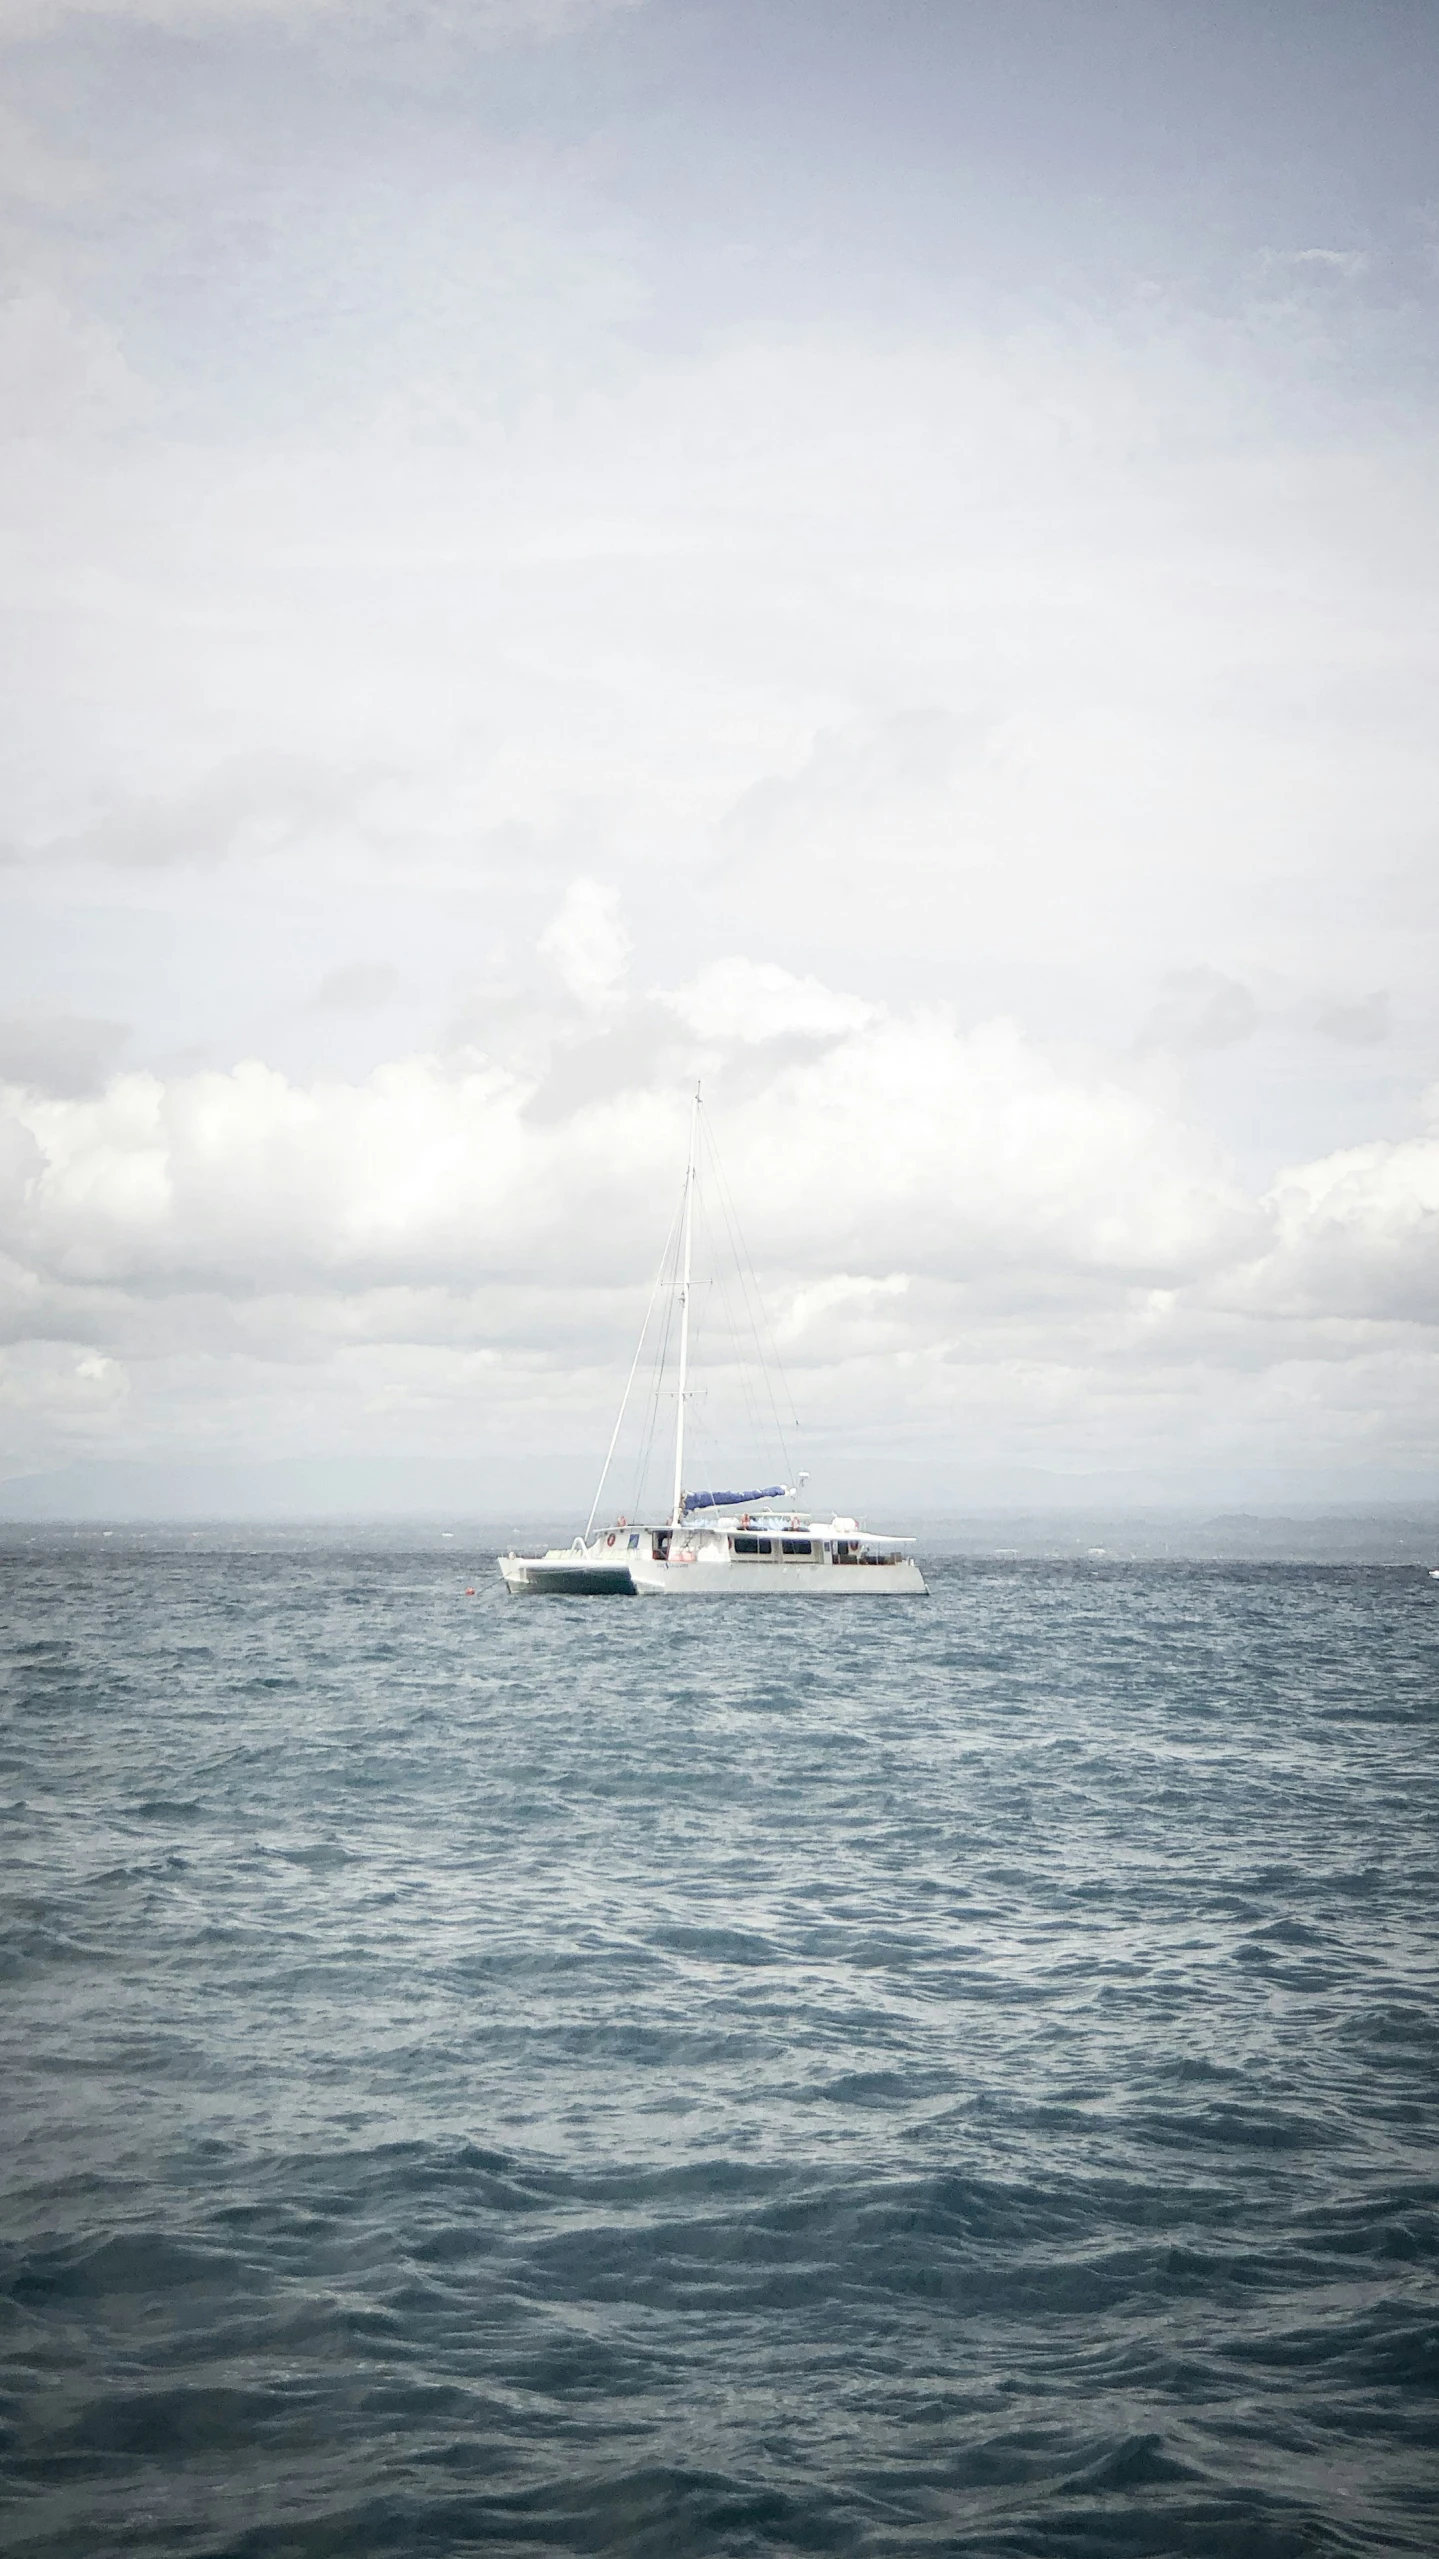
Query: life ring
pixel 609 1541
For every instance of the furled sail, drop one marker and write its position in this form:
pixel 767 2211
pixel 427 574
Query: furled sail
pixel 732 1501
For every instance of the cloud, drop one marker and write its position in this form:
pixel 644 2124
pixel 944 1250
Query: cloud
pixel 1363 1022
pixel 249 805
pixel 909 1140
pixel 587 945
pixel 959 1231
pixel 363 987
pixel 879 1142
pixel 750 1001
pixel 62 373
pixel 909 756
pixel 60 1053
pixel 1345 265
pixel 70 1396
pixel 637 1047
pixel 1314 301
pixel 482 21
pixel 409 504
pixel 1199 1009
pixel 1356 1235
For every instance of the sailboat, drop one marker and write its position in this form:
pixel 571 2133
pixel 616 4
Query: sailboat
pixel 713 1543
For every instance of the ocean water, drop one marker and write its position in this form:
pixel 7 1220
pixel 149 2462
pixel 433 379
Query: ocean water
pixel 596 2077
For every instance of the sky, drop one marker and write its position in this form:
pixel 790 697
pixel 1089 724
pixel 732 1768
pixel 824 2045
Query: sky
pixel 879 553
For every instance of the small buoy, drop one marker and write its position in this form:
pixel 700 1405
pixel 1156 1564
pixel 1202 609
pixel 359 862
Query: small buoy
pixel 470 1592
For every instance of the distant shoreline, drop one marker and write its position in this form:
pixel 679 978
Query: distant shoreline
pixel 1390 1534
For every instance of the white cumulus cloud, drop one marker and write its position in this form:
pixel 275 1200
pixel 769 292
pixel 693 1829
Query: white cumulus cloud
pixel 739 999
pixel 587 944
pixel 959 1232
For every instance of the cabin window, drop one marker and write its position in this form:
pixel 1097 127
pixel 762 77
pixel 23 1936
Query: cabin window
pixel 752 1546
pixel 634 1537
pixel 797 1545
pixel 845 1553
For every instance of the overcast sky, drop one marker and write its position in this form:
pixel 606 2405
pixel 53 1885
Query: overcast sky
pixel 882 551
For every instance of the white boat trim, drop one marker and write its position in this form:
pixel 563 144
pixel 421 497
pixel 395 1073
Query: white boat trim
pixel 761 1556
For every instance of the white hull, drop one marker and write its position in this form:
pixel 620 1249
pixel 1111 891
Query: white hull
pixel 569 1577
pixel 711 1579
pixel 623 1565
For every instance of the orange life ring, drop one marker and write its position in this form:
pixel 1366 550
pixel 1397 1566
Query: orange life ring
pixel 609 1541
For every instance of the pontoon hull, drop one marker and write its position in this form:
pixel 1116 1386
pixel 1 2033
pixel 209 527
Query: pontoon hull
pixel 722 1579
pixel 583 1577
pixel 787 1558
pixel 536 1577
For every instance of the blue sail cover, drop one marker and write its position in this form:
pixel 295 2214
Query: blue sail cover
pixel 731 1501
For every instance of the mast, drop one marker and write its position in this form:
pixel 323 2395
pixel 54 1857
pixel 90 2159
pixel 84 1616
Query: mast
pixel 677 1515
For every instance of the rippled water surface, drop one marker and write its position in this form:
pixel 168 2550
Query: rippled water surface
pixel 600 2076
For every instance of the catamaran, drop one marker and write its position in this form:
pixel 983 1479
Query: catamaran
pixel 713 1543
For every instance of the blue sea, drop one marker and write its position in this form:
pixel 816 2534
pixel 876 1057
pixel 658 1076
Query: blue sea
pixel 591 2076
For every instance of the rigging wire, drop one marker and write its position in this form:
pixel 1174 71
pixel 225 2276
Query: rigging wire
pixel 757 1429
pixel 629 1382
pixel 751 1319
pixel 669 1262
pixel 755 1309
